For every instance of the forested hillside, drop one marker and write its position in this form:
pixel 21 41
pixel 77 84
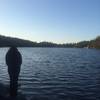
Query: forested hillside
pixel 9 41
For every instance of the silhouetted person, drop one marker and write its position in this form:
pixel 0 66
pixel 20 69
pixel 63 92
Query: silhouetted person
pixel 13 61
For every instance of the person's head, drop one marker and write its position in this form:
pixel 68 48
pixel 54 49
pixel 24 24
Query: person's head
pixel 13 48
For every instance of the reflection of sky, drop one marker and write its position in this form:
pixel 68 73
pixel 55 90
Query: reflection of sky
pixel 50 20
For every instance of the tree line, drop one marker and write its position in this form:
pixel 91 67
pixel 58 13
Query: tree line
pixel 9 41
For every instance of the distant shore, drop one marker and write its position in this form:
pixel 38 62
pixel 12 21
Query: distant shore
pixel 9 41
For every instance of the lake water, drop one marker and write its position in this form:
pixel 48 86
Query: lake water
pixel 57 73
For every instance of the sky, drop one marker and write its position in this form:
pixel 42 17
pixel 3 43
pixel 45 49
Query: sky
pixel 59 21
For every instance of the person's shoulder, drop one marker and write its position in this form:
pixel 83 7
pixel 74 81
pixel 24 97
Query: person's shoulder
pixel 19 54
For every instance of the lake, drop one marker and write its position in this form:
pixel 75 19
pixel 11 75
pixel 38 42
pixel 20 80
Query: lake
pixel 57 73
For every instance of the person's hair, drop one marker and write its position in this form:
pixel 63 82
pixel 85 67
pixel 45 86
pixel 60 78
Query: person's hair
pixel 13 48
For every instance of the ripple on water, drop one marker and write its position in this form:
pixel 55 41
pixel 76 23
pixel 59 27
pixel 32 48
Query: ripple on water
pixel 57 74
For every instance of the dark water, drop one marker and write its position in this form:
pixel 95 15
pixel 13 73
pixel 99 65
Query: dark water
pixel 57 73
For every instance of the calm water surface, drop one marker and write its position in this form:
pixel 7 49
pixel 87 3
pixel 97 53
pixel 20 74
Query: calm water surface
pixel 57 73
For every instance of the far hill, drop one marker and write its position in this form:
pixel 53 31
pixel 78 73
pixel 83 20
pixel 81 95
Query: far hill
pixel 95 43
pixel 9 41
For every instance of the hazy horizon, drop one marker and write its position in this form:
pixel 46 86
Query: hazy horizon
pixel 47 41
pixel 58 21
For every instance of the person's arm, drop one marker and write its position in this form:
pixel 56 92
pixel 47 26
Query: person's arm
pixel 6 58
pixel 20 58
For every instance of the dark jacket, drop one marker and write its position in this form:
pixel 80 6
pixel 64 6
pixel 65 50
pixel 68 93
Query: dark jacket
pixel 13 60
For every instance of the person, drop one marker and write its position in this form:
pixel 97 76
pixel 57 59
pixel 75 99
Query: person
pixel 13 61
